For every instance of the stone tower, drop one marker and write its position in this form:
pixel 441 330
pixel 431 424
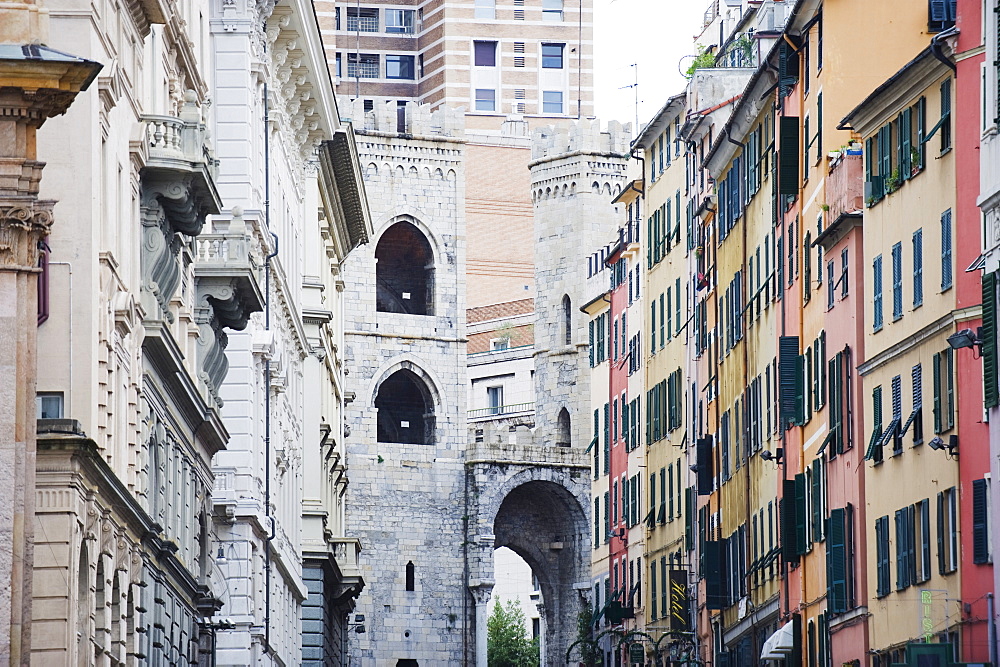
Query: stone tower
pixel 575 174
pixel 406 356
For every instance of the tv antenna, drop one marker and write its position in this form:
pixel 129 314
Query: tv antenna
pixel 635 87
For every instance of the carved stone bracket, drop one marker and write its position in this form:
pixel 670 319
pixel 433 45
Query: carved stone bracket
pixel 23 224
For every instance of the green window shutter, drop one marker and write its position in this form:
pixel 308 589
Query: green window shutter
pixel 713 573
pixel 661 516
pixel 704 461
pixel 901 550
pixel 670 494
pixel 626 510
pixel 936 365
pixel 677 309
pixel 942 559
pixel 980 525
pixel 817 500
pixel 652 328
pixel 664 583
pixel 905 130
pixel 788 155
pixel 607 438
pixel 836 562
pixel 801 534
pixel 595 443
pixel 591 343
pixel 689 500
pixel 651 515
pixel 991 392
pixel 597 522
pixel 949 355
pixel 669 326
pixel 625 416
pixel 652 590
pixel 800 389
pixel 946 251
pixel 606 526
pixel 788 371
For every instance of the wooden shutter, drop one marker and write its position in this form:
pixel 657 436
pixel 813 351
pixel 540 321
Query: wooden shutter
pixel 801 534
pixel 942 558
pixel 591 343
pixel 946 254
pixel 905 129
pixel 788 155
pixel 713 573
pixel 936 365
pixel 817 500
pixel 902 568
pixel 980 527
pixel 991 393
pixel 689 502
pixel 788 373
pixel 836 562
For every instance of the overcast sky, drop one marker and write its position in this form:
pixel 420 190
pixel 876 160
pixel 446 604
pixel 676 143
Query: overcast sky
pixel 656 34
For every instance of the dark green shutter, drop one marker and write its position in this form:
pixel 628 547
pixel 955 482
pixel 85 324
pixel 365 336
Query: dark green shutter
pixel 817 501
pixel 836 562
pixel 689 501
pixel 942 561
pixel 801 541
pixel 591 343
pixel 703 453
pixel 902 551
pixel 788 376
pixel 786 509
pixel 980 527
pixel 788 155
pixel 714 574
pixel 991 393
pixel 936 365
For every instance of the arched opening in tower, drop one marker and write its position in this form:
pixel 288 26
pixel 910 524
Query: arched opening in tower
pixel 404 271
pixel 563 429
pixel 405 410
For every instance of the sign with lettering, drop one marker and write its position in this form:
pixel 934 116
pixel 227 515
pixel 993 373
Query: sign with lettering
pixel 636 654
pixel 680 618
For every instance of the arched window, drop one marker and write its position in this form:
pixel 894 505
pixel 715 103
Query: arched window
pixel 405 410
pixel 410 583
pixel 404 271
pixel 563 438
pixel 100 607
pixel 567 320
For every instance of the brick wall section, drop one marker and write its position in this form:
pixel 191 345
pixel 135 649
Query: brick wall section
pixel 519 336
pixel 497 310
pixel 499 225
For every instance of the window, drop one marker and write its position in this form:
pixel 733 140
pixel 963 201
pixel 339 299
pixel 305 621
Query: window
pixel 921 542
pixel 897 281
pixel 362 19
pixel 498 344
pixel 362 65
pixel 399 67
pixel 947 530
pixel 486 99
pixel 49 405
pixel 410 576
pixel 485 54
pixel 399 21
pixel 882 555
pixel 946 256
pixel 904 547
pixel 944 390
pixel 552 10
pixel 877 293
pixel 552 56
pixel 494 398
pixel 486 9
pixel 941 15
pixel 552 101
pixel 830 287
pixel 844 264
pixel 981 547
pixel 918 268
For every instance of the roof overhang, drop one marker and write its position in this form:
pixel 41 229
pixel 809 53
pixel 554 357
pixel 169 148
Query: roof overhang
pixel 342 191
pixel 780 644
pixel 660 120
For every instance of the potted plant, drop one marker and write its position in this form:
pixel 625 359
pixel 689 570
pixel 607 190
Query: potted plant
pixel 915 166
pixel 893 183
pixel 854 148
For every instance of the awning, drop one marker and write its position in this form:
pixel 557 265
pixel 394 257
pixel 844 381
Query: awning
pixel 780 644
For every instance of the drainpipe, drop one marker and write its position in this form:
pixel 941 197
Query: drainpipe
pixel 267 380
pixel 936 47
pixel 992 627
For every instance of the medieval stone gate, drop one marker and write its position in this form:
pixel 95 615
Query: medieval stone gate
pixel 532 499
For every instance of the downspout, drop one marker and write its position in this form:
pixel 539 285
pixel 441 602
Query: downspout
pixel 936 44
pixel 991 629
pixel 267 378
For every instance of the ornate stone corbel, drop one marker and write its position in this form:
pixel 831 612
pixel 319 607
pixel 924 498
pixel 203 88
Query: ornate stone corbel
pixel 23 225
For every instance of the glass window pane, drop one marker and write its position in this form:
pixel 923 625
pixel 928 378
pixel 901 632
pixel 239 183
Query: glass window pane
pixel 398 67
pixel 399 21
pixel 362 19
pixel 552 10
pixel 485 54
pixel 552 56
pixel 486 99
pixel 552 101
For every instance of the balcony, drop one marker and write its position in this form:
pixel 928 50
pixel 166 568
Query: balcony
pixel 502 411
pixel 347 551
pixel 228 279
pixel 845 187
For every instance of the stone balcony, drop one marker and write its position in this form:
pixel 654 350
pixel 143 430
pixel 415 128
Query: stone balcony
pixel 228 288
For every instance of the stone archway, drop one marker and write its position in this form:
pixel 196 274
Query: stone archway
pixel 536 504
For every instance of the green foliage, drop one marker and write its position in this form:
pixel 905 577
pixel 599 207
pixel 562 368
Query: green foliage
pixel 507 643
pixel 590 654
pixel 704 60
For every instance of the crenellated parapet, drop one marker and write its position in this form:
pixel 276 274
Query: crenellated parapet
pixel 414 120
pixel 581 158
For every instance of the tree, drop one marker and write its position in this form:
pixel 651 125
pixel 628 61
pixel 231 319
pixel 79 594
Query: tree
pixel 507 643
pixel 589 652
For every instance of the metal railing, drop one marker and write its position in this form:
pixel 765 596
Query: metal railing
pixel 362 23
pixel 365 69
pixel 501 410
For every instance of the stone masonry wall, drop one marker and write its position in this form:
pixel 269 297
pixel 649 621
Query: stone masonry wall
pixel 406 502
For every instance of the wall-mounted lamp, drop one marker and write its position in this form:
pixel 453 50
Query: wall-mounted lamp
pixel 221 557
pixel 359 624
pixel 967 338
pixel 776 456
pixel 951 446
